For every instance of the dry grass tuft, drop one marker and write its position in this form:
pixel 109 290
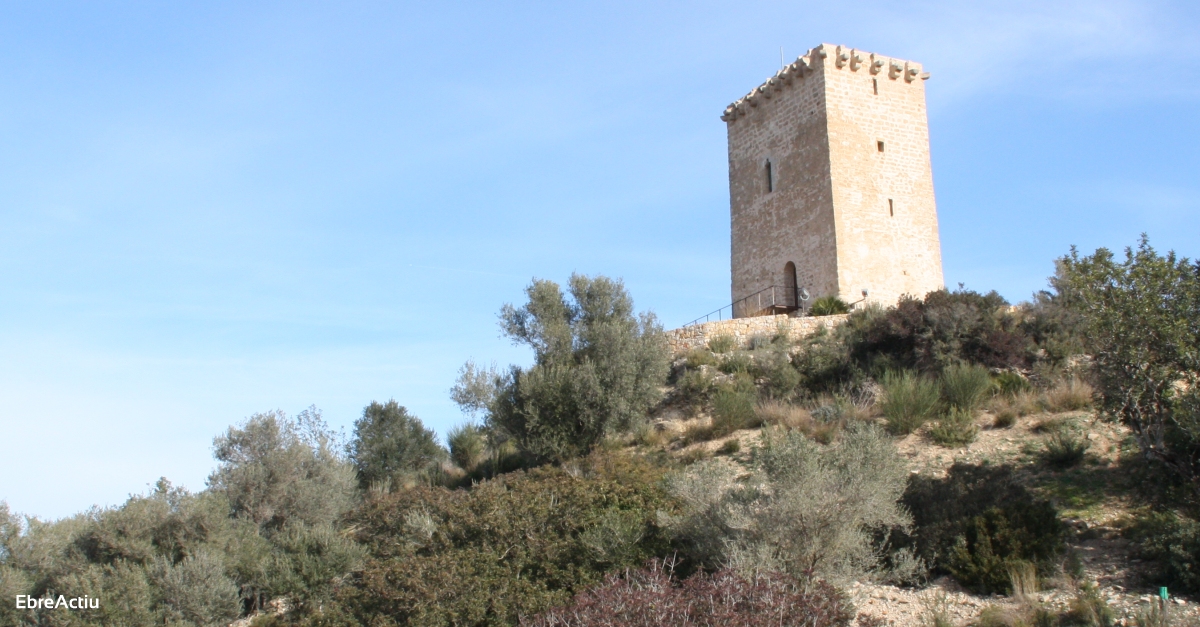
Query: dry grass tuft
pixel 1068 395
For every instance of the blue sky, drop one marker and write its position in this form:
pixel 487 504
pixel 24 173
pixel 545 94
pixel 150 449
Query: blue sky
pixel 209 210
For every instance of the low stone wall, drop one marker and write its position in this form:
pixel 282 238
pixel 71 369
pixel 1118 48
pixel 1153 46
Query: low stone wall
pixel 742 329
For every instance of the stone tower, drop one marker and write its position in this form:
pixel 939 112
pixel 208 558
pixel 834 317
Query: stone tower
pixel 830 185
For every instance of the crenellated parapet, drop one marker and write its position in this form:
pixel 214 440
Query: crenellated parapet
pixel 820 58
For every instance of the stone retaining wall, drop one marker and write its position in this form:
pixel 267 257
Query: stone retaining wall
pixel 742 329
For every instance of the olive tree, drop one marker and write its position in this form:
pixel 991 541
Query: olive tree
pixel 274 469
pixel 597 369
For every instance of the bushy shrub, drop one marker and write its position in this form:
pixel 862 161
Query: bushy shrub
pixel 965 386
pixel 909 399
pixel 824 362
pixel 1172 543
pixel 781 378
pixel 806 509
pixel 651 597
pixel 722 343
pixel 512 546
pixel 389 442
pixel 956 427
pixel 196 590
pixel 733 410
pixel 943 329
pixel 828 306
pixel 1142 319
pixel 468 446
pixel 694 388
pixel 1012 383
pixel 977 523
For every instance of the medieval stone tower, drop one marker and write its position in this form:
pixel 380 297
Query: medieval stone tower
pixel 830 185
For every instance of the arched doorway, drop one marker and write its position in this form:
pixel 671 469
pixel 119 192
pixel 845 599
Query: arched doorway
pixel 790 285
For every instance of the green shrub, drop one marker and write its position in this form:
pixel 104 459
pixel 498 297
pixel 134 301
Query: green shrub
pixel 694 388
pixel 1171 542
pixel 828 306
pixel 824 360
pixel 733 410
pixel 965 386
pixel 1141 327
pixel 722 343
pixel 943 329
pixel 908 400
pixel 512 546
pixel 782 378
pixel 196 590
pixel 468 446
pixel 955 428
pixel 978 523
pixel 1011 383
pixel 806 509
pixel 388 442
pixel 1065 448
pixel 598 368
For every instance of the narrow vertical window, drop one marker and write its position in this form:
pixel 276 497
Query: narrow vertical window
pixel 891 208
pixel 879 145
pixel 875 85
pixel 770 179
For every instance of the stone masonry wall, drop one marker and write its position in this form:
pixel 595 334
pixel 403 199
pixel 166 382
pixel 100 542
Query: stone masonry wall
pixel 829 169
pixel 742 329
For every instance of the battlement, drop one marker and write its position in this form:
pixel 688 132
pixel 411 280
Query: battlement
pixel 817 58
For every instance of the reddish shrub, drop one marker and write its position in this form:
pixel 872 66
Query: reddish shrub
pixel 652 597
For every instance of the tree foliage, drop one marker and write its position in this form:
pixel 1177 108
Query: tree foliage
pixel 273 469
pixel 1143 330
pixel 597 369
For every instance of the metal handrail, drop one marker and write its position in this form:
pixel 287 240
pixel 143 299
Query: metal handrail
pixel 797 295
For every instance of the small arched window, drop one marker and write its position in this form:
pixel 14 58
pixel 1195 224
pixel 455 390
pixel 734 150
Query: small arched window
pixel 770 179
